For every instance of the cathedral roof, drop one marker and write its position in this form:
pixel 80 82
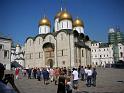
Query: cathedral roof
pixel 58 14
pixel 82 45
pixel 4 37
pixel 44 21
pixel 103 45
pixel 77 22
pixel 65 16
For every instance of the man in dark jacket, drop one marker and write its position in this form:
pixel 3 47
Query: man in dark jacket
pixel 45 76
pixel 94 77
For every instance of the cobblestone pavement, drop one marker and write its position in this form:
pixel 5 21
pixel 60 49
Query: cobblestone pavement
pixel 109 80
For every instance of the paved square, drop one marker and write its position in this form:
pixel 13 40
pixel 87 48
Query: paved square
pixel 109 80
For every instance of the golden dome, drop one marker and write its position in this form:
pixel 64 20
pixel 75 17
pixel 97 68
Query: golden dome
pixel 58 14
pixel 78 22
pixel 65 15
pixel 44 21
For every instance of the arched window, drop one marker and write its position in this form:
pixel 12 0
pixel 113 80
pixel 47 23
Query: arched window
pixel 62 24
pixel 67 24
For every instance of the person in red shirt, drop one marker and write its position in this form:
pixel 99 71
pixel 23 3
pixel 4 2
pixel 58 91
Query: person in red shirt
pixel 56 73
pixel 17 73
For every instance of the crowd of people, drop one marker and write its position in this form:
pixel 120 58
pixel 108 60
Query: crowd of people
pixel 66 79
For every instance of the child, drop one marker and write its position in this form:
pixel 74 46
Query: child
pixel 68 85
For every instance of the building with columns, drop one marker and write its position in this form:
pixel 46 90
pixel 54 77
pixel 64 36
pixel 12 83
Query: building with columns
pixel 66 46
pixel 108 53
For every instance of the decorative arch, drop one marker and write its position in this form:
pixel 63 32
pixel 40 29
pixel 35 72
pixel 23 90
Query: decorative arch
pixel 48 44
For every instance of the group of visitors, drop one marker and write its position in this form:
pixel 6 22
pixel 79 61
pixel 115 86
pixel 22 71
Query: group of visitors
pixel 66 79
pixel 88 74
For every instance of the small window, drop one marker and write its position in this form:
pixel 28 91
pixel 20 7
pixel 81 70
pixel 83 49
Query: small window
pixel 120 47
pixel 104 55
pixel 6 53
pixel 67 24
pixel 104 49
pixel 63 62
pixel 1 46
pixel 82 53
pixel 62 52
pixel 96 63
pixel 121 54
pixel 62 24
pixel 39 55
pixel 30 56
pixel 100 55
pixel 95 55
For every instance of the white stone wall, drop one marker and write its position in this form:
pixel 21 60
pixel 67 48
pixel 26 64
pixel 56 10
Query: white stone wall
pixel 63 59
pixel 64 51
pixel 5 60
pixel 121 51
pixel 101 56
pixel 29 53
pixel 38 52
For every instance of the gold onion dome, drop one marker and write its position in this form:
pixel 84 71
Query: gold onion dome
pixel 65 15
pixel 44 21
pixel 77 22
pixel 58 14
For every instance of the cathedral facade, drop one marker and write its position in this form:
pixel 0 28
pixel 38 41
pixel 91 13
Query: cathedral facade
pixel 65 46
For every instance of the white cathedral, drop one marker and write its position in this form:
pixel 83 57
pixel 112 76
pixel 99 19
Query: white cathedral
pixel 65 46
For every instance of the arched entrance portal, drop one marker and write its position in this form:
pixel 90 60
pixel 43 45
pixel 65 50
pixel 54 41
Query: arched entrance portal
pixel 49 54
pixel 50 63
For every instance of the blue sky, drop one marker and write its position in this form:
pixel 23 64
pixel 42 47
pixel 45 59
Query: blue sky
pixel 19 18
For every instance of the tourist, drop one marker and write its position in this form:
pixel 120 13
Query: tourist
pixel 38 74
pixel 34 73
pixel 68 85
pixel 82 72
pixel 17 73
pixel 61 84
pixel 75 79
pixel 85 74
pixel 56 73
pixel 89 76
pixel 45 76
pixel 79 69
pixel 51 72
pixel 9 78
pixel 29 73
pixel 65 71
pixel 94 73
